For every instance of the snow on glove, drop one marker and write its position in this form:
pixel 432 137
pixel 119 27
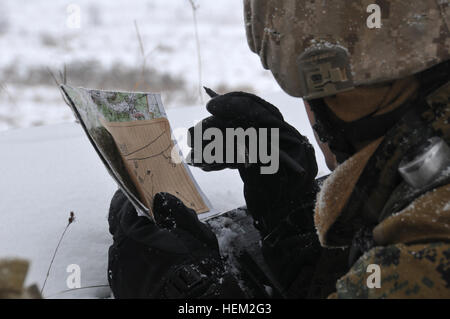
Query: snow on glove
pixel 178 257
pixel 269 197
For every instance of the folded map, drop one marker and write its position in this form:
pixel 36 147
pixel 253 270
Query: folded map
pixel 132 136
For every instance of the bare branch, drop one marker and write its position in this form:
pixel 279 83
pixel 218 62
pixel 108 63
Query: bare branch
pixel 199 57
pixel 70 221
pixel 144 57
pixel 141 43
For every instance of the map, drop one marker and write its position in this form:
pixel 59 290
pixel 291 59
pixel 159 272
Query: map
pixel 132 136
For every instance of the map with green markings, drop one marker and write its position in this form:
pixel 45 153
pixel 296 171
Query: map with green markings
pixel 91 107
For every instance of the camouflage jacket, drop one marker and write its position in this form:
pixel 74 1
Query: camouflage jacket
pixel 409 228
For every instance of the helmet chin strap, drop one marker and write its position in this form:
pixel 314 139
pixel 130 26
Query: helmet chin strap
pixel 344 138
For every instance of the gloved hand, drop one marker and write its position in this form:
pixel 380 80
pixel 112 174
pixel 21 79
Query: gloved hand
pixel 178 257
pixel 269 197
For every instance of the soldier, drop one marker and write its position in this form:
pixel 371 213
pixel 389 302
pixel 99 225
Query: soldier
pixel 378 100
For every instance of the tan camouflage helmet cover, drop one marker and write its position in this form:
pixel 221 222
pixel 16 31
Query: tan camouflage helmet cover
pixel 316 48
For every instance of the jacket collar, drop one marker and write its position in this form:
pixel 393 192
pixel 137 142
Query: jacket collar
pixel 356 193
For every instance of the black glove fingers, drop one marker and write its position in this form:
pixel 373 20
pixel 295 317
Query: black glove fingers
pixel 173 216
pixel 166 206
pixel 142 230
pixel 162 211
pixel 118 201
pixel 231 105
pixel 209 122
pixel 186 219
pixel 171 213
pixel 207 167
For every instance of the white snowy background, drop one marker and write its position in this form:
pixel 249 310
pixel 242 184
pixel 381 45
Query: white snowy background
pixel 47 166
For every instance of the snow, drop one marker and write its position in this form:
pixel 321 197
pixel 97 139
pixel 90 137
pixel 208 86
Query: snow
pixel 35 36
pixel 51 170
pixel 446 207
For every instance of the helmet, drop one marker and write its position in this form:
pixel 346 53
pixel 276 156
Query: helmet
pixel 319 48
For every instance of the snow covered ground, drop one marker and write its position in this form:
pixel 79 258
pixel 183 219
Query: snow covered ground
pixel 104 53
pixel 48 171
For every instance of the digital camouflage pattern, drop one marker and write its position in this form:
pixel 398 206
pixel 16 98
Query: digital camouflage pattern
pixel 415 271
pixel 321 48
pixel 365 190
pixel 413 37
pixel 410 226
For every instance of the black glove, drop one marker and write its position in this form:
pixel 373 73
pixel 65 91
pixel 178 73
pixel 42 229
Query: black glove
pixel 271 197
pixel 178 257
